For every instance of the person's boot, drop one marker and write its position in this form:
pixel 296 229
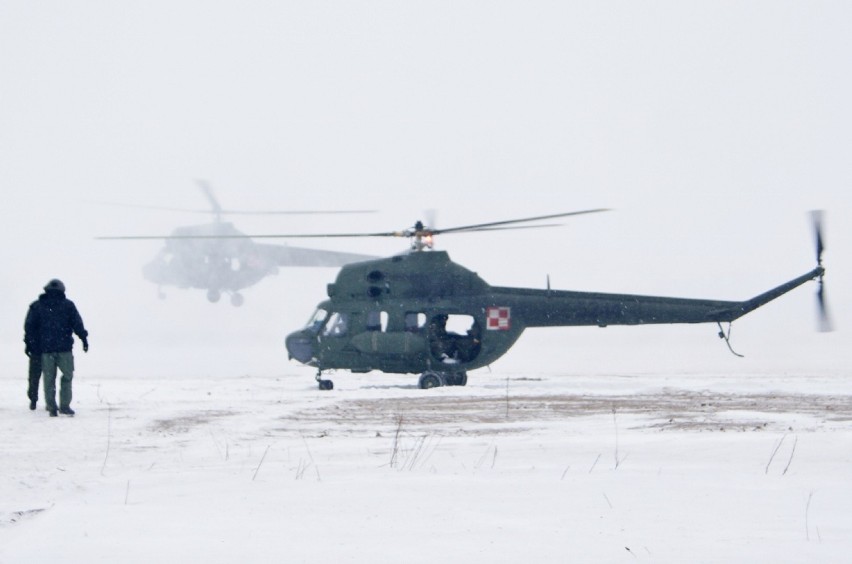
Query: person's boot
pixel 52 412
pixel 32 405
pixel 66 411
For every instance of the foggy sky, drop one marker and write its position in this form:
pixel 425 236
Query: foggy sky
pixel 711 128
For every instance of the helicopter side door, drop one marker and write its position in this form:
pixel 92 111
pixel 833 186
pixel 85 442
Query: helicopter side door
pixel 454 338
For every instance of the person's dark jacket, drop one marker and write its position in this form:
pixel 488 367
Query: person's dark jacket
pixel 49 323
pixel 31 336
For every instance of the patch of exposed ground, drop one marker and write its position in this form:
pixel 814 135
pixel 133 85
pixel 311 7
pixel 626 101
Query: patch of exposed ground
pixel 669 409
pixel 184 423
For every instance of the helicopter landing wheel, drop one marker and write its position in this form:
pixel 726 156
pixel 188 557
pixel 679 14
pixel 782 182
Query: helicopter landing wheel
pixel 430 380
pixel 456 379
pixel 213 295
pixel 237 300
pixel 324 384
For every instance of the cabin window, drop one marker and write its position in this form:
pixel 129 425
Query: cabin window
pixel 338 325
pixel 377 321
pixel 415 321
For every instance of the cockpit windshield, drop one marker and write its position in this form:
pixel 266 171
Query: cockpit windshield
pixel 317 320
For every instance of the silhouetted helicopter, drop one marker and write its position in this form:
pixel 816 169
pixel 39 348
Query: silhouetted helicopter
pixel 421 313
pixel 218 258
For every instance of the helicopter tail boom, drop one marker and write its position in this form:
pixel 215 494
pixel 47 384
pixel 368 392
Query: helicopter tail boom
pixel 747 306
pixel 551 308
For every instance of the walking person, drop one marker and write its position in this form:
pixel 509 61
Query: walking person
pixel 33 351
pixel 50 321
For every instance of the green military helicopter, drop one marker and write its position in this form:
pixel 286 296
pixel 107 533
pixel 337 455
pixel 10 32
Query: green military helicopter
pixel 421 313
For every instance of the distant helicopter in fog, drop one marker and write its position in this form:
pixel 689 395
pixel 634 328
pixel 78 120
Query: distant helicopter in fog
pixel 218 258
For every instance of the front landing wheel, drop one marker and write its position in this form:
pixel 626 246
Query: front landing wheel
pixel 323 384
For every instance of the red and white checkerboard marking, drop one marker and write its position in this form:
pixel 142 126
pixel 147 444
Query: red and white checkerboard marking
pixel 498 318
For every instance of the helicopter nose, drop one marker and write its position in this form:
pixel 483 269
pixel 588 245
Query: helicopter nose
pixel 300 346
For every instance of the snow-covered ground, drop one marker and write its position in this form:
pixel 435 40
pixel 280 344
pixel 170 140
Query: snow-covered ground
pixel 515 467
pixel 710 129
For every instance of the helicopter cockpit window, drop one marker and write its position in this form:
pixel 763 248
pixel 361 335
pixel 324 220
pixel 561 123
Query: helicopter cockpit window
pixel 338 325
pixel 415 321
pixel 317 320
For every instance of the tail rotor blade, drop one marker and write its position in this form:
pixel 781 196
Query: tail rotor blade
pixel 817 218
pixel 825 324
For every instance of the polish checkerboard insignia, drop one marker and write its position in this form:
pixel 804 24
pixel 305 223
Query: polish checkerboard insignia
pixel 498 318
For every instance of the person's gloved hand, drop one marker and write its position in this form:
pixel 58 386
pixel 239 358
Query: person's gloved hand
pixel 27 350
pixel 85 345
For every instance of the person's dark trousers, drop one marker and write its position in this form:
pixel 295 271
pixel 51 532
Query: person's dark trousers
pixel 35 376
pixel 64 361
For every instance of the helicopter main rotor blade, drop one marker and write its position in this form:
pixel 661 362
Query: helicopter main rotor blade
pixel 509 227
pixel 349 235
pixel 420 230
pixel 480 226
pixel 266 236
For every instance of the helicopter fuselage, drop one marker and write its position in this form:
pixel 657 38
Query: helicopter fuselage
pixel 421 312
